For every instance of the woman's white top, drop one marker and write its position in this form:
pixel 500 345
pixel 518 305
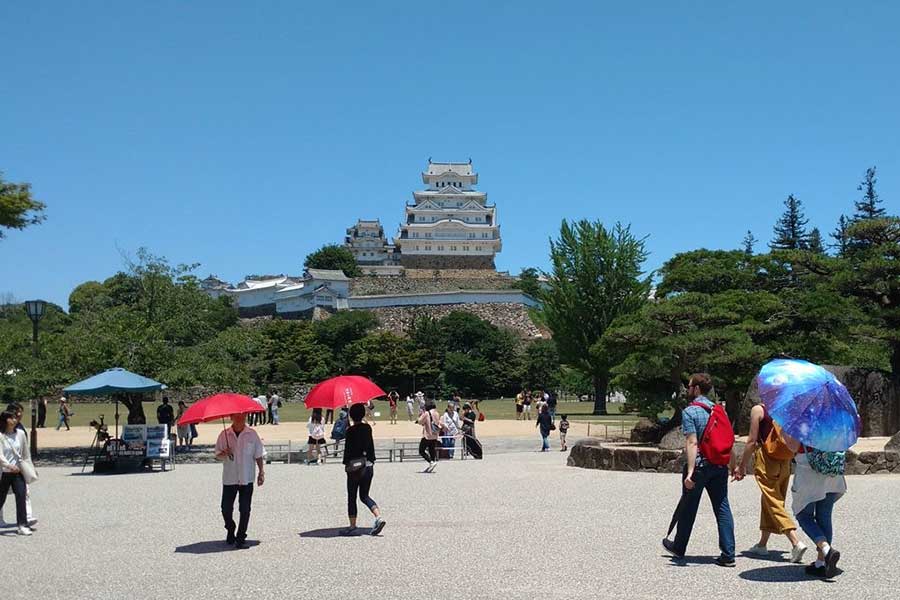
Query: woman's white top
pixel 13 446
pixel 810 486
pixel 316 430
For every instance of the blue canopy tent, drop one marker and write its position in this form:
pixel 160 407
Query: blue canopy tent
pixel 112 382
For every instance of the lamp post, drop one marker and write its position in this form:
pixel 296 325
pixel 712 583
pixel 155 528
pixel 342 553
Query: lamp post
pixel 35 310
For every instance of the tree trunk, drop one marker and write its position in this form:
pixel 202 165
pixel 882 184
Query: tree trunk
pixel 135 409
pixel 601 387
pixel 733 400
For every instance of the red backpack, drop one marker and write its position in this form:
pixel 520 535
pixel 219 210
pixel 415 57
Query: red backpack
pixel 717 439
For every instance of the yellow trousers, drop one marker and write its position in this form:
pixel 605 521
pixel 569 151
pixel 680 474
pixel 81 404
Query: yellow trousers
pixel 773 477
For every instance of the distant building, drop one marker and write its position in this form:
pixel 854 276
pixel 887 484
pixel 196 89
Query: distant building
pixel 370 248
pixel 449 225
pixel 214 286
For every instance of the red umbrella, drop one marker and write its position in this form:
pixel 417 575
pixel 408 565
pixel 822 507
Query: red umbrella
pixel 341 391
pixel 219 407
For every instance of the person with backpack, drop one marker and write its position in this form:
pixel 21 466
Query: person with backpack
pixel 772 469
pixel 709 439
pixel 819 483
pixel 431 429
pixel 339 429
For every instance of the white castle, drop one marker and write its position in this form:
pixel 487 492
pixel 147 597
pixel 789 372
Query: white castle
pixel 449 225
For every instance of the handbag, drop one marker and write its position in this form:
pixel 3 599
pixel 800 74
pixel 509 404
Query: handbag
pixel 774 445
pixel 826 463
pixel 355 466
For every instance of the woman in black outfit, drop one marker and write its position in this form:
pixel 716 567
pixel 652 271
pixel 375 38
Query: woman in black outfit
pixel 359 444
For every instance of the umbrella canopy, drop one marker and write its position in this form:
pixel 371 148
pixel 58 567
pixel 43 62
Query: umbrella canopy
pixel 219 407
pixel 342 391
pixel 112 381
pixel 809 404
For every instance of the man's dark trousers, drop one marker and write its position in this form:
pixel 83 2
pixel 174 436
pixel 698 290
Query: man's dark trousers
pixel 714 479
pixel 244 493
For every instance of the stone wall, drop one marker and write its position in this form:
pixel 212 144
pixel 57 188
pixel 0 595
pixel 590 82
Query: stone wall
pixel 399 319
pixel 420 282
pixel 446 262
pixel 261 310
pixel 877 398
pixel 594 453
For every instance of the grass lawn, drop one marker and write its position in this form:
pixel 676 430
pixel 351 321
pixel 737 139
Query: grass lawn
pixel 295 411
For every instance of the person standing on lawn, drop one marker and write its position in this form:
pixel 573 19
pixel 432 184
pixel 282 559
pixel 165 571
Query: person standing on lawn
pixel 393 400
pixel 772 471
pixel 42 412
pixel 241 452
pixel 701 472
pixel 409 406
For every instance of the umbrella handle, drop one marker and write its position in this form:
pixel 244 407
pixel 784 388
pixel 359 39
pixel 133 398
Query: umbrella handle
pixel 225 429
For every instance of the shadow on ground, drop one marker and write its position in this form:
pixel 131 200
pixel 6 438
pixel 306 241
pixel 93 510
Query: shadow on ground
pixel 781 574
pixel 211 547
pixel 333 532
pixel 777 556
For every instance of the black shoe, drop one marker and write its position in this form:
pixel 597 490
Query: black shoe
pixel 229 539
pixel 240 543
pixel 831 560
pixel 724 561
pixel 813 571
pixel 669 546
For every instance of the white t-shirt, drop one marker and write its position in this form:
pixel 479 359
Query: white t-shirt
pixel 275 400
pixel 450 424
pixel 246 448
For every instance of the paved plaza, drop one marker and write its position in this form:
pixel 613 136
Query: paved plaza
pixel 516 525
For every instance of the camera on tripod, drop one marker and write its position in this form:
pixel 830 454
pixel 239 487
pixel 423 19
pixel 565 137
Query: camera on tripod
pixel 101 428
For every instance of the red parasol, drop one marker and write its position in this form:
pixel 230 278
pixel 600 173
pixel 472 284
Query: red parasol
pixel 219 407
pixel 342 391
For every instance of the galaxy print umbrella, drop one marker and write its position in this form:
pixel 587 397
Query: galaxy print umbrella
pixel 809 404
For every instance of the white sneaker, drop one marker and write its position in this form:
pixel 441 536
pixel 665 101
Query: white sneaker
pixel 797 552
pixel 24 531
pixel 758 550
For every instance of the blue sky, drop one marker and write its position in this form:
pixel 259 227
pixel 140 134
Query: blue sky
pixel 245 135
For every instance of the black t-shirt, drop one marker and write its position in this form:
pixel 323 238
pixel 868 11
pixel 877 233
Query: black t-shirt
pixel 359 443
pixel 165 414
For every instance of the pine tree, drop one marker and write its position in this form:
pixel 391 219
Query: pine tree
pixel 867 207
pixel 749 242
pixel 815 244
pixel 790 230
pixel 839 235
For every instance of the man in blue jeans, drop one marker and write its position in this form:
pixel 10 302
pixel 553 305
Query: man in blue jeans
pixel 699 474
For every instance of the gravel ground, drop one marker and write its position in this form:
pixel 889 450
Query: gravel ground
pixel 517 525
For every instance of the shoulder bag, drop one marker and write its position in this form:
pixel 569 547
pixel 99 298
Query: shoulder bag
pixel 26 467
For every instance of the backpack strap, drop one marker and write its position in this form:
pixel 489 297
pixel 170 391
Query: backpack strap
pixel 701 405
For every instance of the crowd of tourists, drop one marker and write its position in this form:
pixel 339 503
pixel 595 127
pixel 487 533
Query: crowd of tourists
pixel 818 483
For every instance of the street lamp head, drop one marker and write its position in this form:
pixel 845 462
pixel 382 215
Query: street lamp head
pixel 35 309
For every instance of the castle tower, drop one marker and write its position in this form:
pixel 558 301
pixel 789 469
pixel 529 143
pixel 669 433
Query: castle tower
pixel 449 225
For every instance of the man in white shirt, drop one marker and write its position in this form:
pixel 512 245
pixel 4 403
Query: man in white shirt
pixel 261 418
pixel 409 406
pixel 275 405
pixel 241 451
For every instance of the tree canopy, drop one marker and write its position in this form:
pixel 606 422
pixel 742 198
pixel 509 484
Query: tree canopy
pixel 335 258
pixel 18 209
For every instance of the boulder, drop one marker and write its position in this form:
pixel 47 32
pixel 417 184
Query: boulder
pixel 893 444
pixel 674 440
pixel 627 459
pixel 645 431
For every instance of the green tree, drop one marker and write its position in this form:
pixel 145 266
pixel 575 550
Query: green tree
pixel 839 235
pixel 790 230
pixel 868 207
pixel 541 368
pixel 528 282
pixel 815 244
pixel 597 276
pixel 333 257
pixel 748 243
pixel 18 209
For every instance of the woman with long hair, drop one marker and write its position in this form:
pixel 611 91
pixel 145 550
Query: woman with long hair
pixel 14 451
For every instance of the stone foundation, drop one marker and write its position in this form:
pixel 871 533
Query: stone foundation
pixel 446 262
pixel 251 312
pixel 594 453
pixel 421 282
pixel 399 319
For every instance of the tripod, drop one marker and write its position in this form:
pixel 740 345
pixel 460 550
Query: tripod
pixel 101 436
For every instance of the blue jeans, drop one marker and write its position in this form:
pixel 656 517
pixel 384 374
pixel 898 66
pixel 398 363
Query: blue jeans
pixel 815 518
pixel 449 442
pixel 545 445
pixel 714 479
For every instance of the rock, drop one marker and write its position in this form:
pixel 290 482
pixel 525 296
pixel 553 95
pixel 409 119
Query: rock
pixel 651 458
pixel 627 459
pixel 893 444
pixel 645 431
pixel 674 440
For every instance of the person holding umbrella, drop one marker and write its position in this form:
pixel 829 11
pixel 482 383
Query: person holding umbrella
pixel 241 452
pixel 819 422
pixel 359 463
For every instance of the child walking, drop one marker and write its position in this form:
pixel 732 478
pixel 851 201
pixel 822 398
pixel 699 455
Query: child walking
pixel 563 430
